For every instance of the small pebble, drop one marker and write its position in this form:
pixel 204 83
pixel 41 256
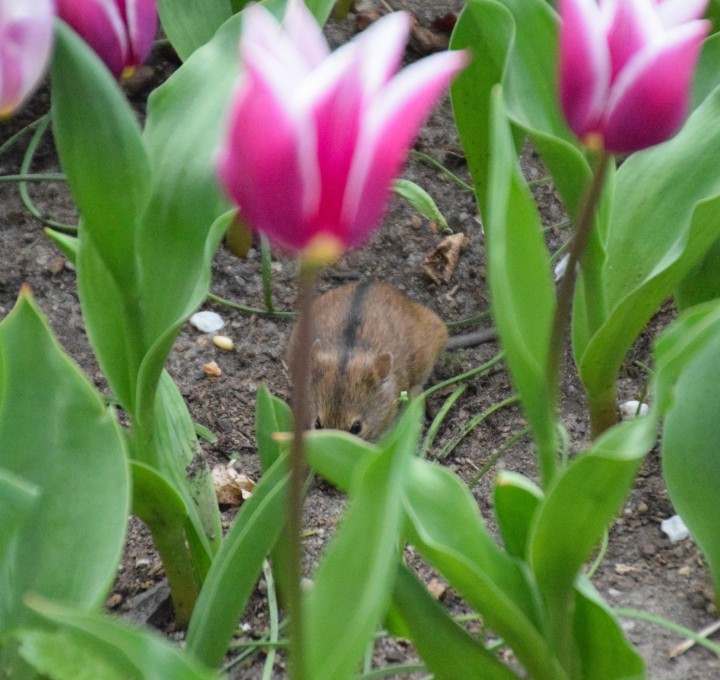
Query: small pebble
pixel 629 409
pixel 207 322
pixel 674 528
pixel 561 267
pixel 114 600
pixel 223 342
pixel 642 507
pixel 212 370
pixel 684 571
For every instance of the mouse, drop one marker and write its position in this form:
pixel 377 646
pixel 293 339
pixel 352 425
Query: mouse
pixel 371 343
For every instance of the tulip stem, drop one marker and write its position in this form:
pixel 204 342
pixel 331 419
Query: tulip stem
pixel 566 289
pixel 300 375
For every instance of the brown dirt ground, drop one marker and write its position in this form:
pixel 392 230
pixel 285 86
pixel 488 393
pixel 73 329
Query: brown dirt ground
pixel 641 569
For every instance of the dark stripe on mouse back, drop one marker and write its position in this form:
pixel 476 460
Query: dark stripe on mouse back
pixel 352 324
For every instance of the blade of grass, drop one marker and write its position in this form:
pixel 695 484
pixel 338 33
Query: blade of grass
pixel 439 418
pixel 462 377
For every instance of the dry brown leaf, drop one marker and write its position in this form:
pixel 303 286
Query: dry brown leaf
pixel 231 487
pixel 212 370
pixel 426 41
pixel 439 264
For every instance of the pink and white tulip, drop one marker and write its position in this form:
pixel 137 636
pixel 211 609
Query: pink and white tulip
pixel 26 31
pixel 626 68
pixel 120 31
pixel 315 138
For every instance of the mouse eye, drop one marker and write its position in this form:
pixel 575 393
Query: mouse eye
pixel 318 424
pixel 356 427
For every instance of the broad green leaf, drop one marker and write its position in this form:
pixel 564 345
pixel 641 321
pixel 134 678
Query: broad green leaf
pixel 337 456
pixel 158 504
pixel 691 437
pixel 678 346
pixel 190 24
pixel 421 200
pixel 445 526
pixel 136 652
pixel 271 415
pixel 354 580
pixel 320 9
pixel 237 566
pixel 604 652
pixel 516 500
pixel 67 244
pixel 575 513
pixel 702 282
pixel 707 77
pixel 447 649
pixel 666 215
pixel 487 29
pixel 16 499
pixel 70 543
pixel 522 292
pixel 60 655
pixel 102 154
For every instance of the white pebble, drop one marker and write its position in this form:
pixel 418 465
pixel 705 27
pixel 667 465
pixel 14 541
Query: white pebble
pixel 675 528
pixel 223 342
pixel 629 409
pixel 561 267
pixel 207 322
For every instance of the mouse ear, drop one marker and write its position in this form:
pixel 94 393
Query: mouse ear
pixel 383 365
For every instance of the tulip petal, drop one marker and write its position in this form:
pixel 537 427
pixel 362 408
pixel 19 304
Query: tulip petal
pixel 675 12
pixel 101 25
pixel 141 18
pixel 650 99
pixel 389 129
pixel 584 65
pixel 382 46
pixel 634 24
pixel 304 31
pixel 25 42
pixel 261 164
pixel 265 38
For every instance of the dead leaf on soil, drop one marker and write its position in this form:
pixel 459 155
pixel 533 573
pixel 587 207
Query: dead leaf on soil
pixel 212 370
pixel 231 487
pixel 439 264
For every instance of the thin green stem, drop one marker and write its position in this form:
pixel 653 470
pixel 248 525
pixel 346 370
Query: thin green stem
pixel 462 377
pixel 473 423
pixel 682 631
pixel 249 311
pixel 40 177
pixel 472 320
pixel 6 146
pixel 600 557
pixel 274 621
pixel 300 374
pixel 266 272
pixel 496 455
pixel 396 669
pixel 426 158
pixel 438 420
pixel 566 292
pixel 25 170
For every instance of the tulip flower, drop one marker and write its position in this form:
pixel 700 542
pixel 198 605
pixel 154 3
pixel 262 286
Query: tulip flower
pixel 626 67
pixel 120 31
pixel 26 30
pixel 315 138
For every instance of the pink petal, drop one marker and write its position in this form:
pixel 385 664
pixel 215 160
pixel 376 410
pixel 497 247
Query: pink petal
pixel 26 32
pixel 676 12
pixel 335 101
pixel 141 19
pixel 101 25
pixel 387 133
pixel 649 102
pixel 260 164
pixel 584 65
pixel 633 25
pixel 382 46
pixel 263 35
pixel 304 31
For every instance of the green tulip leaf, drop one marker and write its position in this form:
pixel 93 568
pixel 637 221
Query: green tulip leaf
pixel 516 500
pixel 70 540
pixel 189 25
pixel 421 200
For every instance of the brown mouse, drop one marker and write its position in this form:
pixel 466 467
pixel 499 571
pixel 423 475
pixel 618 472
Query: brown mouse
pixel 371 343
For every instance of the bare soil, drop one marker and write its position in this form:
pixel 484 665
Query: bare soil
pixel 641 569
